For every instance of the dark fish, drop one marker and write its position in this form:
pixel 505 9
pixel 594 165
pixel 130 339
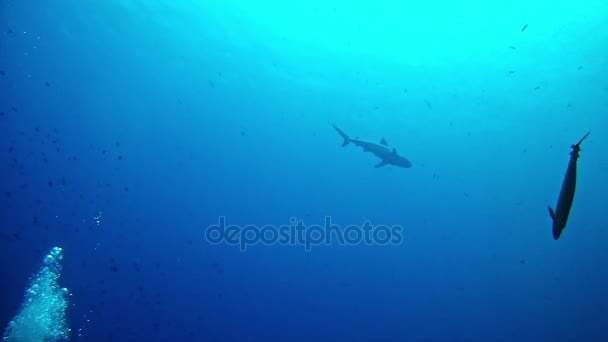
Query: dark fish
pixel 9 237
pixel 2 72
pixel 47 84
pixel 217 267
pixel 113 266
pixel 10 31
pixel 566 195
pixel 524 28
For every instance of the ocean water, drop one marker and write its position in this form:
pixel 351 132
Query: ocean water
pixel 128 129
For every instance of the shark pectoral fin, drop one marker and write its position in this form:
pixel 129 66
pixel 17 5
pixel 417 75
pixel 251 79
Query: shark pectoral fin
pixel 551 213
pixel 382 163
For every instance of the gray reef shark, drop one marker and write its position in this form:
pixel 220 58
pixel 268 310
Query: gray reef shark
pixel 388 156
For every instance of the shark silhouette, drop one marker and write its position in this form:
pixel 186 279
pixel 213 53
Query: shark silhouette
pixel 388 156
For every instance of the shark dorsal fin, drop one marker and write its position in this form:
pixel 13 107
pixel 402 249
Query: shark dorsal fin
pixel 394 151
pixel 383 142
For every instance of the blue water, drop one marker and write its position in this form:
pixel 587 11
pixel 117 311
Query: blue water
pixel 127 128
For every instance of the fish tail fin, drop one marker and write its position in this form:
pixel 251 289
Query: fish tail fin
pixel 345 136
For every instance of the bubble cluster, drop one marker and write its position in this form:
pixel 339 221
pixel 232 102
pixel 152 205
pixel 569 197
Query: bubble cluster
pixel 97 219
pixel 42 314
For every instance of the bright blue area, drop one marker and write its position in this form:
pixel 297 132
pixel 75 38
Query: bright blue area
pixel 226 110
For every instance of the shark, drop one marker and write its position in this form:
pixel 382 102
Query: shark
pixel 387 155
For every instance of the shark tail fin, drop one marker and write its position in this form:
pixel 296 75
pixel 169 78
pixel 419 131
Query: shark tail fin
pixel 345 136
